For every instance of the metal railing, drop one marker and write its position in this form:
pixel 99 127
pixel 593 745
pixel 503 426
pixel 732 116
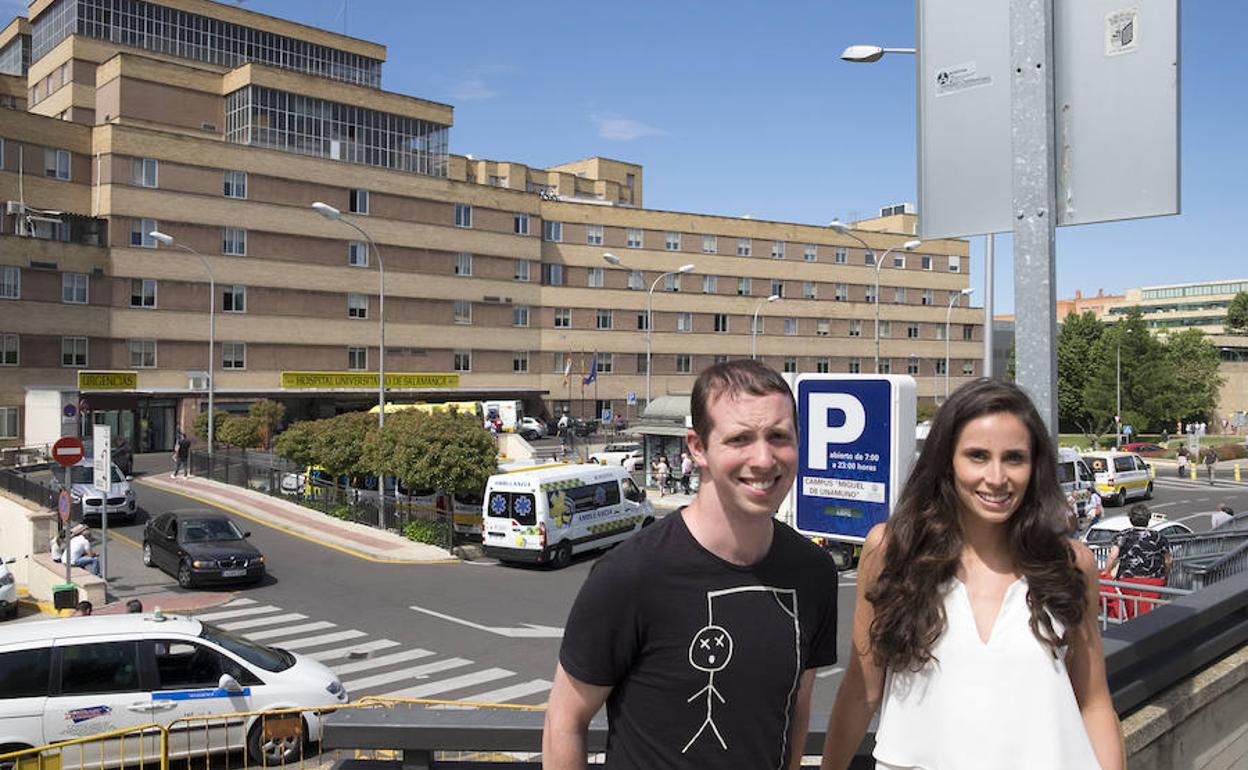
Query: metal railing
pixel 18 483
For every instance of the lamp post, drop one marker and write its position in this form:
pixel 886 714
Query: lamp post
pixel 329 212
pixel 866 54
pixel 754 324
pixel 948 314
pixel 167 240
pixel 614 260
pixel 911 245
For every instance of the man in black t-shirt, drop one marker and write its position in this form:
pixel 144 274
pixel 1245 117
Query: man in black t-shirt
pixel 702 633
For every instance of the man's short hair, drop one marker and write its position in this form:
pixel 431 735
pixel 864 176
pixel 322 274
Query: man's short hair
pixel 134 605
pixel 732 378
pixel 1139 515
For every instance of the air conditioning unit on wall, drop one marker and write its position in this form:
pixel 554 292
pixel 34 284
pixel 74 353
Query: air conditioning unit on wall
pixel 14 207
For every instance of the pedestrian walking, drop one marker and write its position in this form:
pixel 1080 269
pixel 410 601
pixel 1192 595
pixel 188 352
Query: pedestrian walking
pixel 703 632
pixel 661 473
pixel 1094 508
pixel 686 472
pixel 1183 461
pixel 1211 457
pixel 970 570
pixel 181 456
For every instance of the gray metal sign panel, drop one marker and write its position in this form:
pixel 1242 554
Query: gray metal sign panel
pixel 1116 92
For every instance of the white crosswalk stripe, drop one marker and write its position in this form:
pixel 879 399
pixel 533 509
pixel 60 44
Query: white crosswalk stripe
pixel 257 636
pixel 454 683
pixel 317 641
pixel 381 662
pixel 268 620
pixel 504 694
pixel 343 652
pixel 415 672
pixel 242 601
pixel 213 617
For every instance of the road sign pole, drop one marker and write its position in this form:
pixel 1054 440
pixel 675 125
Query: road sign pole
pixel 1034 194
pixel 65 544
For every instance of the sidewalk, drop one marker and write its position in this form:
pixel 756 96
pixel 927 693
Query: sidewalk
pixel 348 537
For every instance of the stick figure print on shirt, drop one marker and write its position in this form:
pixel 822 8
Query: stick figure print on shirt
pixel 711 651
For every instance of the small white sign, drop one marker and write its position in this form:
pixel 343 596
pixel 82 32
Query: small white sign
pixel 102 457
pixel 846 489
pixel 1122 31
pixel 958 78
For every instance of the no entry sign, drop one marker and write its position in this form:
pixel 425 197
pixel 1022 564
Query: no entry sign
pixel 67 451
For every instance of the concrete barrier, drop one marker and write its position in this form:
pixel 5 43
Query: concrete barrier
pixel 25 532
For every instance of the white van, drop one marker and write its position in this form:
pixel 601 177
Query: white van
pixel 1075 477
pixel 545 515
pixel 1120 476
pixel 81 676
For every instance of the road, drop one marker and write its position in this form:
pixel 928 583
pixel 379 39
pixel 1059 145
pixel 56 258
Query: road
pixel 483 632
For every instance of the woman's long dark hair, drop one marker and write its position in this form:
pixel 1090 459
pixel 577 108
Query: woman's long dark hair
pixel 923 537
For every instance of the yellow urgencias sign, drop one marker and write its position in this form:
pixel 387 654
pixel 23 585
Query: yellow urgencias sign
pixel 367 380
pixel 112 380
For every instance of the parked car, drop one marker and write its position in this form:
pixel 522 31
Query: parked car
pixel 616 454
pixel 8 590
pixel 583 428
pixel 73 677
pixel 1145 449
pixel 119 501
pixel 531 428
pixel 200 546
pixel 1104 530
pixel 1120 476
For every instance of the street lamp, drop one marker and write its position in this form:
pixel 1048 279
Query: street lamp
pixel 754 325
pixel 866 54
pixel 948 313
pixel 167 240
pixel 329 212
pixel 614 260
pixel 879 262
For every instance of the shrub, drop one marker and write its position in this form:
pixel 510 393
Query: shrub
pixel 425 531
pixel 1229 451
pixel 200 425
pixel 238 431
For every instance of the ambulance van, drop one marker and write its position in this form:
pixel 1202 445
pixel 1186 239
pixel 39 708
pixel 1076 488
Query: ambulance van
pixel 545 515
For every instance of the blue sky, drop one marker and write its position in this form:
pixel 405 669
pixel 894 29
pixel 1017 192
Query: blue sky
pixel 741 108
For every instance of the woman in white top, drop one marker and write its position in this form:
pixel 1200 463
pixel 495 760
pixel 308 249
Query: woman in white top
pixel 975 626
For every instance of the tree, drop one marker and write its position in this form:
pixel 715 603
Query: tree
pixel 295 443
pixel 239 431
pixel 200 426
pixel 1237 314
pixel 269 415
pixel 1146 381
pixel 1193 362
pixel 1076 339
pixel 338 445
pixel 449 452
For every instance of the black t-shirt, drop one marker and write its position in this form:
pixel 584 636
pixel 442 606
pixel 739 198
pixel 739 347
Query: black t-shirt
pixel 1141 553
pixel 704 656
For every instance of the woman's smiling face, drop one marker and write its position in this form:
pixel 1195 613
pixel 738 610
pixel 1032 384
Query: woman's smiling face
pixel 992 466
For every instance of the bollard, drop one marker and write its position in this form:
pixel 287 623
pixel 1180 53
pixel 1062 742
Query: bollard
pixel 1152 471
pixel 1237 471
pixel 1193 471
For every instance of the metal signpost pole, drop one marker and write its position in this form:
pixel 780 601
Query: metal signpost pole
pixel 65 545
pixel 988 292
pixel 102 480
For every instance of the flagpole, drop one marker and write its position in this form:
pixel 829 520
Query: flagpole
pixel 599 415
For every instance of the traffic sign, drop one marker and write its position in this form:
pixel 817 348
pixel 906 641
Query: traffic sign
pixel 67 450
pixel 62 504
pixel 632 398
pixel 856 450
pixel 70 411
pixel 102 460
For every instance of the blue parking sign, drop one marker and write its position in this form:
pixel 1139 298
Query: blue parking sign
pixel 856 447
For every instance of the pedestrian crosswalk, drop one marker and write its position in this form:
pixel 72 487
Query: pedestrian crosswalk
pixel 376 666
pixel 1221 479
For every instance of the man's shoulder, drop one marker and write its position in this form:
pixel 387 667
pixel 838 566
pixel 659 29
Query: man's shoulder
pixel 796 546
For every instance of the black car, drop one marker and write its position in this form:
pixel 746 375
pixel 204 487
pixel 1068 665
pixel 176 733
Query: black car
pixel 201 546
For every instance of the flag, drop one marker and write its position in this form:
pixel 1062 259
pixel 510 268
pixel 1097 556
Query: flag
pixel 593 371
pixel 567 370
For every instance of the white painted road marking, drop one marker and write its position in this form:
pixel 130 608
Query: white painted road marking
pixel 385 660
pixel 268 620
pixel 415 672
pixel 525 631
pixel 454 683
pixel 290 630
pixel 316 641
pixel 343 652
pixel 504 694
pixel 237 613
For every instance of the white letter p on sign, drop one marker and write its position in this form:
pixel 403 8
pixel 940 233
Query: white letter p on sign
pixel 820 435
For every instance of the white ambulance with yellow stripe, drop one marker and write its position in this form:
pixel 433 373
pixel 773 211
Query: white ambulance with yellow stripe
pixel 545 515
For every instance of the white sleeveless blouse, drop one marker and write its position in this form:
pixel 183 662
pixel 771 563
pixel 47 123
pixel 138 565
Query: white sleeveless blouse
pixel 1005 704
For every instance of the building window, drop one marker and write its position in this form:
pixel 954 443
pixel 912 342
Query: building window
pixel 823 365
pixel 672 282
pixel 777 249
pixel 606 365
pixel 968 368
pixel 955 264
pixel 520 270
pixel 643 364
pixel 74 288
pixel 520 315
pixel 634 238
pixel 461 312
pixel 463 215
pixel 810 253
pixel 710 244
pixel 141 233
pixel 721 322
pixel 596 278
pixel 940 366
pixel 142 292
pixel 463 361
pixel 142 354
pixel 868 257
pixel 912 366
pixel 684 363
pixel 8 422
pixel 234 299
pixel 357 254
pixel 912 331
pixel 520 224
pixel 855 328
pixel 777 287
pixel 790 363
pixel 636 280
pixel 968 332
pixel 927 297
pixel 927 262
pixel 561 361
pixel 10 282
pixel 744 247
pixel 790 327
pixel 56 164
pixel 143 172
pixel 463 263
pixel 10 345
pixel 842 292
pixel 758 324
pixel 855 366
pixel 552 274
pixel 357 201
pixel 593 235
pixel 357 306
pixel 899 260
pixel 235 184
pixel 552 231
pixel 823 327
pixel 605 319
pixel 233 355
pixel 520 361
pixel 886 366
pixel 869 292
pixel 808 289
pixel 671 241
pixel 940 331
pixel 745 287
pixel 841 256
pixel 684 322
pixel 234 241
pixel 643 322
pixel 710 284
pixel 357 358
pixel 563 318
pixel 899 295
